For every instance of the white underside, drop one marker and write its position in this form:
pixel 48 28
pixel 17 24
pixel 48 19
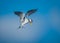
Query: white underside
pixel 23 23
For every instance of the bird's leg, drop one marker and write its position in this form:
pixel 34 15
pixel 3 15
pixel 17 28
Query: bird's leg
pixel 20 25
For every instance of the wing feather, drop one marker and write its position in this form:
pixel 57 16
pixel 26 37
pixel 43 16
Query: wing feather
pixel 30 12
pixel 20 14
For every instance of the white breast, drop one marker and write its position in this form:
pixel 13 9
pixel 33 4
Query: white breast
pixel 26 21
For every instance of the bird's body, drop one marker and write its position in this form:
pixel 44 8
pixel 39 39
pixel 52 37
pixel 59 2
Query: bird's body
pixel 23 22
pixel 24 17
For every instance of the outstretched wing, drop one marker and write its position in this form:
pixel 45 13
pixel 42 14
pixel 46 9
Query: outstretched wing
pixel 30 12
pixel 20 14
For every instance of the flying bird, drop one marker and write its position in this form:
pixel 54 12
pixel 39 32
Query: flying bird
pixel 24 17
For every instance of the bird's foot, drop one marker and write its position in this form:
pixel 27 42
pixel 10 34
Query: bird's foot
pixel 19 27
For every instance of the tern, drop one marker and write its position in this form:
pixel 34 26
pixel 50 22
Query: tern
pixel 24 17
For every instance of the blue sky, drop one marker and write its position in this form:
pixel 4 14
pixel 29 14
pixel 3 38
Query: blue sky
pixel 45 27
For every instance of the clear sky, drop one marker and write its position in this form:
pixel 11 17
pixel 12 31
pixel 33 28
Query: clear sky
pixel 46 21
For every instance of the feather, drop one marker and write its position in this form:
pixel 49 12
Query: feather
pixel 20 14
pixel 30 12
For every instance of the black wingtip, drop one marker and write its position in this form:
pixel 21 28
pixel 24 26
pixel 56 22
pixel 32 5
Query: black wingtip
pixel 35 10
pixel 16 12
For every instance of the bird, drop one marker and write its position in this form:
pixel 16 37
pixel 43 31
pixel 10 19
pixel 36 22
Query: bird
pixel 24 17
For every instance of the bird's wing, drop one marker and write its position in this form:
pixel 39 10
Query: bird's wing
pixel 30 12
pixel 20 14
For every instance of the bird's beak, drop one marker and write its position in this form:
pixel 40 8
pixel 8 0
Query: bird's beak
pixel 30 23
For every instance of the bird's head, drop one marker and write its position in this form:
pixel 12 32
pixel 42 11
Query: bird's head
pixel 30 21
